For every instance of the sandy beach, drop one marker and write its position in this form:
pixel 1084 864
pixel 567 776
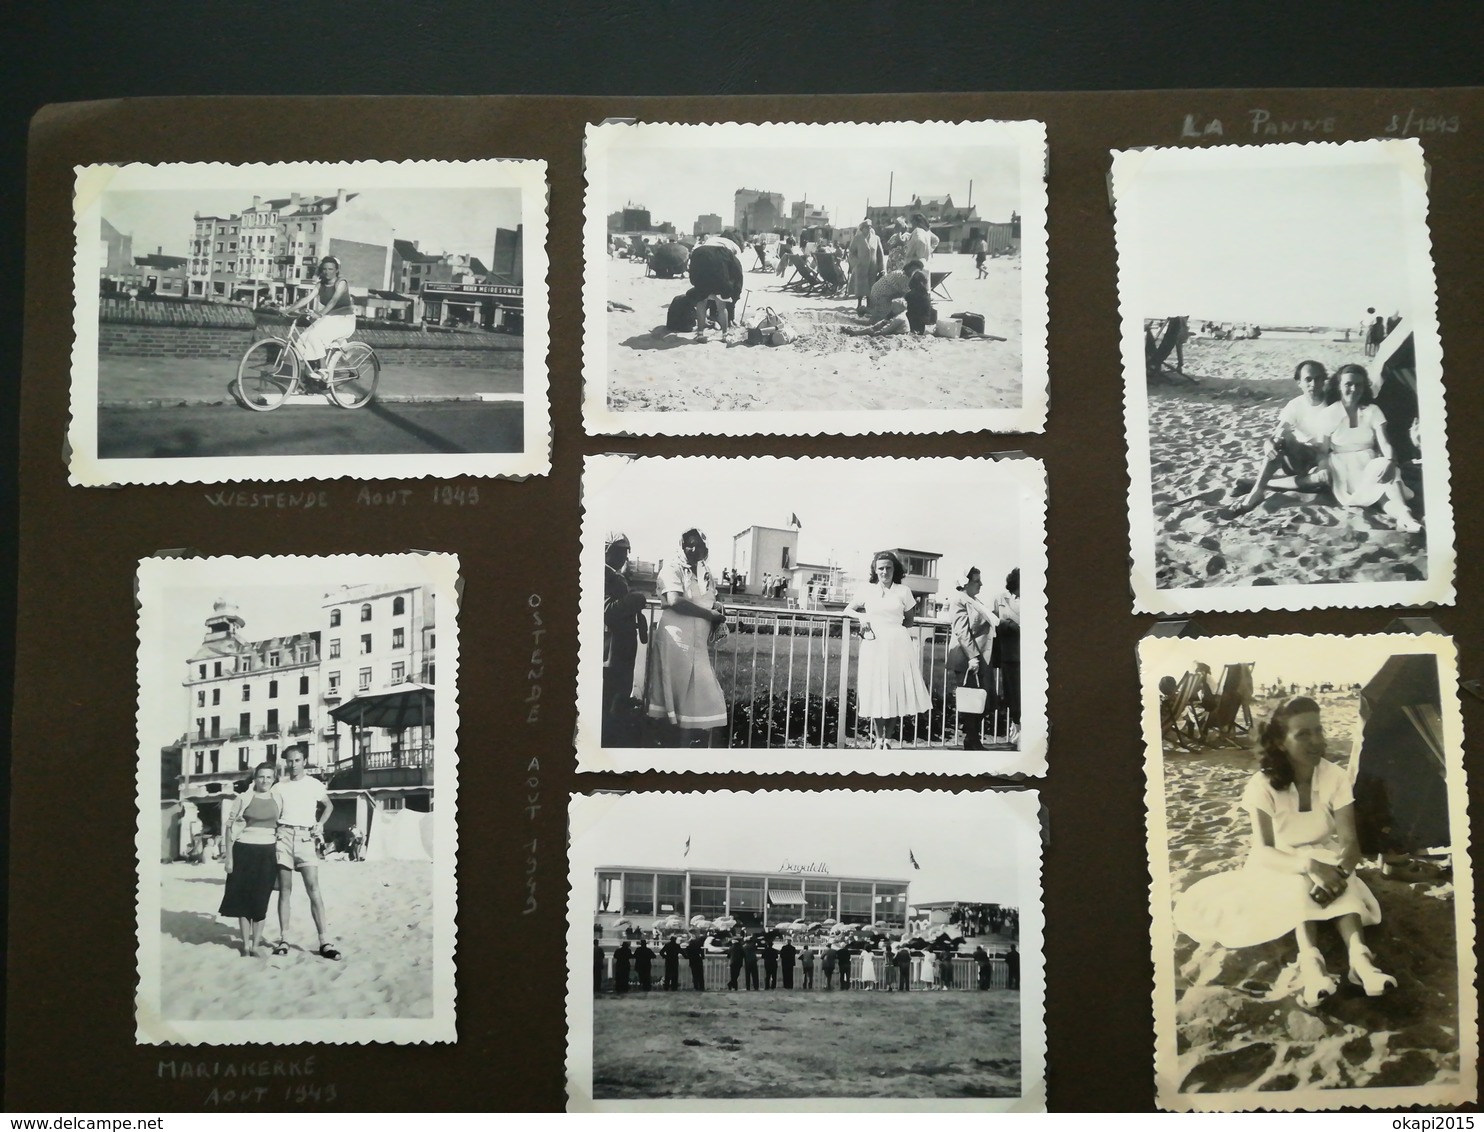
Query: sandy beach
pixel 1204 437
pixel 649 369
pixel 380 916
pixel 1239 1024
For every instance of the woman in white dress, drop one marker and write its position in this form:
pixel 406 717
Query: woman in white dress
pixel 1300 864
pixel 683 688
pixel 1357 452
pixel 868 970
pixel 889 682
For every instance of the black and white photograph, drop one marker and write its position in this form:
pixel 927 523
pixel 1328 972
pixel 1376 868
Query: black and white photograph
pixel 1283 377
pixel 1312 899
pixel 879 615
pixel 818 951
pixel 796 279
pixel 296 852
pixel 283 321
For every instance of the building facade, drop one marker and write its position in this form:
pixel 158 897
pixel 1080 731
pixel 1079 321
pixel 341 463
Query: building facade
pixel 214 252
pixel 758 551
pixel 756 210
pixel 707 224
pixel 755 899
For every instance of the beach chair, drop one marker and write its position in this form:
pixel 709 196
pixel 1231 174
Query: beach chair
pixel 831 274
pixel 804 278
pixel 1172 338
pixel 1179 715
pixel 938 284
pixel 1233 710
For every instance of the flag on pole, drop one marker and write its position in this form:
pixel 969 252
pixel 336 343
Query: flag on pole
pixel 687 848
pixel 913 859
pixel 793 521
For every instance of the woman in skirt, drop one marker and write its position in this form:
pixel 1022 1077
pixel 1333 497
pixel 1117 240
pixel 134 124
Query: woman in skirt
pixel 252 871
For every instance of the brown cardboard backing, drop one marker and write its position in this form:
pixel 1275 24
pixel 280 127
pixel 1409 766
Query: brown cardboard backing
pixel 70 1024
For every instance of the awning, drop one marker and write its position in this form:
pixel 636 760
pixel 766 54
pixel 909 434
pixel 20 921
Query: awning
pixel 786 896
pixel 407 705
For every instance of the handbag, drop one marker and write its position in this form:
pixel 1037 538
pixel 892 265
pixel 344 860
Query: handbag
pixel 970 699
pixel 776 329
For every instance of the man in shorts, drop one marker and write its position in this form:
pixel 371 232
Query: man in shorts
pixel 303 804
pixel 1293 454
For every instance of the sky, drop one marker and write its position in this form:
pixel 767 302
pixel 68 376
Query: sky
pixel 846 512
pixel 442 219
pixel 1285 246
pixel 679 184
pixel 959 840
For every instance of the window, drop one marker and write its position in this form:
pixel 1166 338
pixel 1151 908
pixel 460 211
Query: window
pixel 275 658
pixel 399 606
pixel 365 643
pixel 270 752
pixel 747 897
pixel 334 618
pixel 392 803
pixel 432 639
pixel 399 673
pixel 365 613
pixel 610 891
pixel 247 665
pixel 200 762
pixel 334 648
pixel 216 760
pixel 708 895
pixel 363 679
pixel 855 903
pixel 242 757
pixel 246 692
pixel 216 696
pixel 638 894
pixel 669 894
pixel 200 727
pixel 399 640
pixel 272 725
pixel 273 689
pixel 303 685
pixel 334 683
pixel 218 288
pixel 201 671
pixel 428 674
pixel 216 668
pixel 820 899
pixel 201 698
pixel 785 558
pixel 216 726
pixel 244 723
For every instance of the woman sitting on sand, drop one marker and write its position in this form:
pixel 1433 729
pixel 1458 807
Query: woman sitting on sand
pixel 683 687
pixel 916 316
pixel 1293 454
pixel 1358 457
pixel 889 681
pixel 1300 863
pixel 252 867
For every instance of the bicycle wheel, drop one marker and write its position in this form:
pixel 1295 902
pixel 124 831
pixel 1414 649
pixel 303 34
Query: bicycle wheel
pixel 353 374
pixel 267 374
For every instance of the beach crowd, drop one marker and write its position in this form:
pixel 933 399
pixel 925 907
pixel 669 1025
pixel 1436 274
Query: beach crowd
pixel 684 697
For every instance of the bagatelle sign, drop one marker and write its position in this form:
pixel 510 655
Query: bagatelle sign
pixel 814 867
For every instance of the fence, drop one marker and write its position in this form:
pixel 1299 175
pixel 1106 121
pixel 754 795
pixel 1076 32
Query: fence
pixel 788 676
pixel 923 976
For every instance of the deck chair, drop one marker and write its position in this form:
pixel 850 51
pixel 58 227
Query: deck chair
pixel 938 284
pixel 832 275
pixel 1171 338
pixel 1233 710
pixel 1177 712
pixel 804 278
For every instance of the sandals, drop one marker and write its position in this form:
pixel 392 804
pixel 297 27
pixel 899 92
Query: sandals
pixel 1365 974
pixel 280 948
pixel 327 951
pixel 1315 982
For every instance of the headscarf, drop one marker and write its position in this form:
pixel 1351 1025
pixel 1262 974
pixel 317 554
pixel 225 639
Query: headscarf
pixel 702 569
pixel 613 537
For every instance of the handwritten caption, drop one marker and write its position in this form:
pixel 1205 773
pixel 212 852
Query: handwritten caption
pixel 240 1084
pixel 535 669
pixel 439 495
pixel 1262 123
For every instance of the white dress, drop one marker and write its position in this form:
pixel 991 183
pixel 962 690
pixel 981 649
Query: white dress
pixel 683 687
pixel 889 680
pixel 868 968
pixel 1258 903
pixel 1355 463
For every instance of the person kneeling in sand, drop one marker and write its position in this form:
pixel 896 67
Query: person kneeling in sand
pixel 303 805
pixel 1293 454
pixel 1300 863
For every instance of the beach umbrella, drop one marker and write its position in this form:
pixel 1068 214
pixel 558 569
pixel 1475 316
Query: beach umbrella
pixel 624 924
pixel 699 922
pixel 815 926
pixel 829 923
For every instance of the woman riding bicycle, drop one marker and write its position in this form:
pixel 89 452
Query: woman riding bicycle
pixel 332 314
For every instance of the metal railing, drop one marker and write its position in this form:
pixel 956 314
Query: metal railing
pixel 788 677
pixel 924 974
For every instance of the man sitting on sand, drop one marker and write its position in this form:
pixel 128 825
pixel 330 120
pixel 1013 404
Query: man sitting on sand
pixel 1296 445
pixel 303 806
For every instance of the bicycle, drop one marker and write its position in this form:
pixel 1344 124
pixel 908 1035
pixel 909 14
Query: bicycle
pixel 272 370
